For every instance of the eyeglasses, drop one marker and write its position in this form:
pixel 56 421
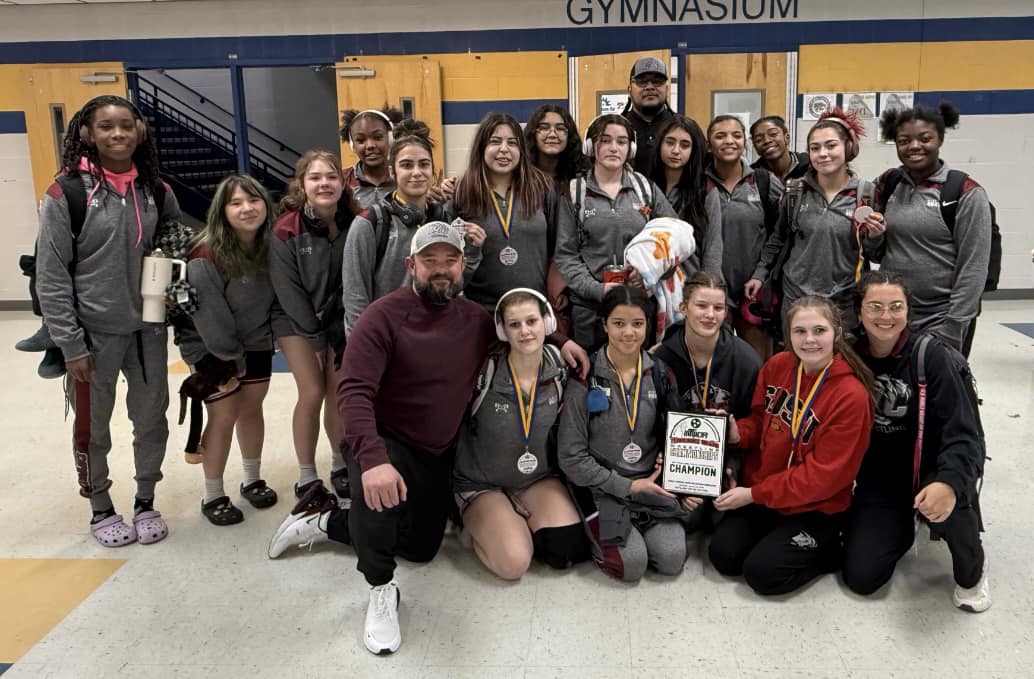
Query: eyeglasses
pixel 644 80
pixel 877 308
pixel 544 128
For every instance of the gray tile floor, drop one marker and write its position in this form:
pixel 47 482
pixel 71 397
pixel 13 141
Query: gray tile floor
pixel 207 603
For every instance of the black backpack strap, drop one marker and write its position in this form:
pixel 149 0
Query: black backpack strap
pixel 550 207
pixel 763 182
pixel 381 223
pixel 74 190
pixel 951 192
pixel 886 185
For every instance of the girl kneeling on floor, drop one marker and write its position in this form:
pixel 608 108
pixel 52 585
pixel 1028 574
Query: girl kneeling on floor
pixel 513 504
pixel 931 464
pixel 89 289
pixel 232 331
pixel 610 435
pixel 807 432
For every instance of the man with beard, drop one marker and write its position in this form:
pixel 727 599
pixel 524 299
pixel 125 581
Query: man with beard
pixel 647 108
pixel 407 376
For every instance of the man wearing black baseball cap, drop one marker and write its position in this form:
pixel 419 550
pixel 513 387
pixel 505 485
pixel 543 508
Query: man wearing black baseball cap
pixel 647 108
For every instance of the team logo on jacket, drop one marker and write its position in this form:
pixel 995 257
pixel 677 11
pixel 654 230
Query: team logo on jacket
pixel 307 250
pixel 589 212
pixel 502 407
pixel 892 397
pixel 779 404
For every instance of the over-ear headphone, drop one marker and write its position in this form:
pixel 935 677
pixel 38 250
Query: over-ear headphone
pixel 409 215
pixel 371 111
pixel 589 146
pixel 548 318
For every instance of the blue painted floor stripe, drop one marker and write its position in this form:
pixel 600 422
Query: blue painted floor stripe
pixel 1026 328
pixel 4 666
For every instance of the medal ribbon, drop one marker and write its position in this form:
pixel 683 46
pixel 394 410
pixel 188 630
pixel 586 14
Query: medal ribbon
pixel 527 412
pixel 631 414
pixel 799 415
pixel 707 379
pixel 504 222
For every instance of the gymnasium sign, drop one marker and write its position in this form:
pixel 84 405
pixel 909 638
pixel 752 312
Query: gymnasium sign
pixel 638 12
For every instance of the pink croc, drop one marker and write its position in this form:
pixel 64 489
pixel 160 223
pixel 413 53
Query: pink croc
pixel 150 527
pixel 113 532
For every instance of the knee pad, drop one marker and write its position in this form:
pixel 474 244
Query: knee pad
pixel 561 547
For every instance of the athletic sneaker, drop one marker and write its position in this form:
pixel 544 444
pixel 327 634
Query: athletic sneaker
pixel 381 633
pixel 975 599
pixel 306 525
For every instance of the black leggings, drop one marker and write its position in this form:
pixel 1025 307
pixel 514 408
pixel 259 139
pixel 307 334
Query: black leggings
pixel 776 553
pixel 881 529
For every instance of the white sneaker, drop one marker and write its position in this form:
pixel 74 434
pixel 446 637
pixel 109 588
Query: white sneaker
pixel 975 599
pixel 302 531
pixel 381 633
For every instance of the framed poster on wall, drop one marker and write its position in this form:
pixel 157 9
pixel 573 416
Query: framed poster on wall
pixel 816 104
pixel 611 101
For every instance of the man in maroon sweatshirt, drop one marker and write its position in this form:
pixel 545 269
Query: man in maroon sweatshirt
pixel 407 376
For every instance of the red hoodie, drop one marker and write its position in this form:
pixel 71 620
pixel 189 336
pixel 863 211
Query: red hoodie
pixel 834 437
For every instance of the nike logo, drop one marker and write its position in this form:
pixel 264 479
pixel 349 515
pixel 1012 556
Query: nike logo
pixel 950 202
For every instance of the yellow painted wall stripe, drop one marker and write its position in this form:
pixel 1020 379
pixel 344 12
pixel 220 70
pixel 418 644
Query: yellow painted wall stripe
pixel 503 76
pixel 921 67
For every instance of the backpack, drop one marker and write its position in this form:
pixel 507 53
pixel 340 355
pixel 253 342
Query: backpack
pixel 919 368
pixel 763 182
pixel 380 220
pixel 641 185
pixel 951 192
pixel 551 359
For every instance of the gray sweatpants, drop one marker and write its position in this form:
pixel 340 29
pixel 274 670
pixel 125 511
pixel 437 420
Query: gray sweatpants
pixel 662 545
pixel 147 399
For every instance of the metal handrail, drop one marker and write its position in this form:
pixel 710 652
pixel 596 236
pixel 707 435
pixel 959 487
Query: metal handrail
pixel 227 140
pixel 205 100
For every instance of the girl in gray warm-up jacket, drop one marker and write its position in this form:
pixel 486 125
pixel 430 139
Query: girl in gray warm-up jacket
pixel 514 506
pixel 231 332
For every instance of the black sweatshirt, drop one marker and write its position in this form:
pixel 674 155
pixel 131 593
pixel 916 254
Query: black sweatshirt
pixel 953 444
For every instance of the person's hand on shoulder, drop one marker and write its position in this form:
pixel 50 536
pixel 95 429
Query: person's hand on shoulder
pixel 575 356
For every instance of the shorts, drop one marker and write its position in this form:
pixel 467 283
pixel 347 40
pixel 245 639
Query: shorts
pixel 258 368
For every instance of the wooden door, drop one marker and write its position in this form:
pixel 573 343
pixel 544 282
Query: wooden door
pixel 600 75
pixel 404 82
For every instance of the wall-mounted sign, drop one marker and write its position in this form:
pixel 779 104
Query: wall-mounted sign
pixel 862 103
pixel 611 101
pixel 816 104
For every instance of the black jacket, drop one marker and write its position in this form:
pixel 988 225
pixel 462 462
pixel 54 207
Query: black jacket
pixel 646 136
pixel 953 439
pixel 796 172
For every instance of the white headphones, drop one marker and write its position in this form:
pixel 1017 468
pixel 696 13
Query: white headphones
pixel 589 146
pixel 548 319
pixel 373 111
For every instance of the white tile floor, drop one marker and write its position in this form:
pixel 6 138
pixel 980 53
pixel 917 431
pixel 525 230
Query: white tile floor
pixel 207 603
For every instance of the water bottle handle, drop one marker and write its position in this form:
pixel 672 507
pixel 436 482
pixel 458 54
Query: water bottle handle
pixel 183 270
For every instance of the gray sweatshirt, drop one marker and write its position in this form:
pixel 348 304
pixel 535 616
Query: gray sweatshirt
pixel 590 447
pixel 741 215
pixel 945 270
pixel 708 255
pixel 824 254
pixel 366 192
pixel 596 238
pixel 110 261
pixel 491 442
pixel 363 278
pixel 234 315
pixel 305 269
pixel 528 236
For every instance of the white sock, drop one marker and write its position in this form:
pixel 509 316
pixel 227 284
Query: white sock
pixel 252 467
pixel 337 460
pixel 306 474
pixel 213 489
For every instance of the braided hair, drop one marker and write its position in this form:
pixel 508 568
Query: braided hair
pixel 145 155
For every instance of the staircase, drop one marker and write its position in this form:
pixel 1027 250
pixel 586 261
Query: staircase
pixel 196 151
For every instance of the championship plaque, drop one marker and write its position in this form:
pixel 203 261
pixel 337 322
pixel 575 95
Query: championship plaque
pixel 694 454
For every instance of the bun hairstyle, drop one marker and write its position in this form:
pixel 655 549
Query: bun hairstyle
pixel 943 117
pixel 387 116
pixel 848 127
pixel 407 133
